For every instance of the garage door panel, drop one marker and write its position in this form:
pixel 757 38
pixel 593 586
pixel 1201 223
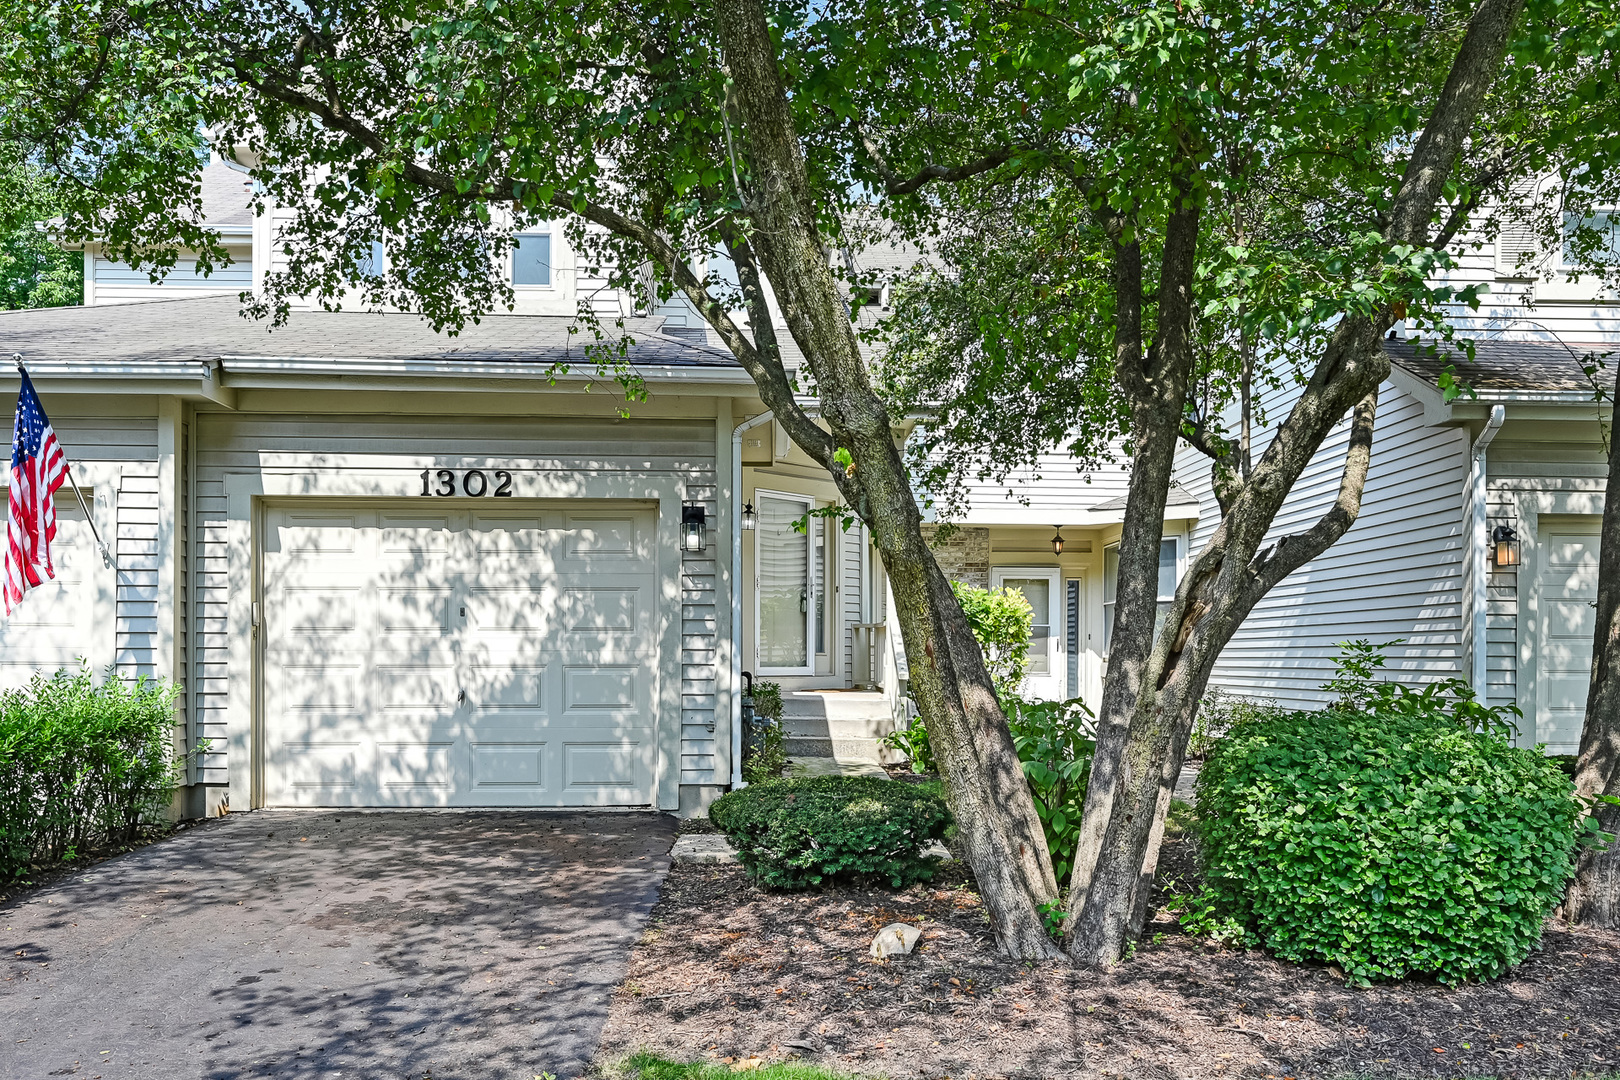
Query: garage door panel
pixel 1572 618
pixel 304 534
pixel 331 685
pixel 502 688
pixel 311 608
pixel 598 770
pixel 405 609
pixel 594 538
pixel 320 768
pixel 416 772
pixel 419 688
pixel 520 608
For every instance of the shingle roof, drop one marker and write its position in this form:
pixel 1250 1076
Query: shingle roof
pixel 211 327
pixel 225 195
pixel 1178 496
pixel 1502 365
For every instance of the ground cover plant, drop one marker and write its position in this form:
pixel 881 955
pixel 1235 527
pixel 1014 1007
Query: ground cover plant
pixel 1055 742
pixel 653 1067
pixel 805 831
pixel 83 764
pixel 1406 838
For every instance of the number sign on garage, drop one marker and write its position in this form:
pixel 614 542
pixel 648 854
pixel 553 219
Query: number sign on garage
pixel 422 656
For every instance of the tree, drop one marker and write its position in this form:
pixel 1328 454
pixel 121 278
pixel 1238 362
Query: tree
pixel 34 272
pixel 1301 205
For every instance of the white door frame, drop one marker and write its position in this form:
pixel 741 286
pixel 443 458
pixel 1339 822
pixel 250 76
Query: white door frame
pixel 1049 686
pixel 809 665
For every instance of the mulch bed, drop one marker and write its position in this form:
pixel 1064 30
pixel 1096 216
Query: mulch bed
pixel 729 972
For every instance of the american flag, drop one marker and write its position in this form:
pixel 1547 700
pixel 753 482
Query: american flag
pixel 37 470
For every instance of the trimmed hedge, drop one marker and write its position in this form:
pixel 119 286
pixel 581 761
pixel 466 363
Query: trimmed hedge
pixel 1388 842
pixel 82 765
pixel 801 832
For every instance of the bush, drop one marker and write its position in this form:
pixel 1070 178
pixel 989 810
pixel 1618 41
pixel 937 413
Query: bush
pixel 1001 621
pixel 912 741
pixel 766 754
pixel 1219 712
pixel 1055 741
pixel 1409 838
pixel 796 833
pixel 82 765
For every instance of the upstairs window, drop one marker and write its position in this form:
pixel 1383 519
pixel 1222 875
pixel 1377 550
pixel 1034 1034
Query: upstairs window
pixel 531 259
pixel 1578 236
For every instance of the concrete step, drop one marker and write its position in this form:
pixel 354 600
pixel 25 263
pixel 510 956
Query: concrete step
pixel 835 748
pixel 837 727
pixel 834 704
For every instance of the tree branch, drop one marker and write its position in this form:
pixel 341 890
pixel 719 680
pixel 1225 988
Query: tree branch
pixel 894 184
pixel 1294 551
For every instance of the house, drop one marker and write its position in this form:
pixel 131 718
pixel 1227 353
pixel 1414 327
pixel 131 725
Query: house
pixel 392 567
pixel 1475 554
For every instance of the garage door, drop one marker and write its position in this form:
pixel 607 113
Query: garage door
pixel 52 627
pixel 459 659
pixel 1567 582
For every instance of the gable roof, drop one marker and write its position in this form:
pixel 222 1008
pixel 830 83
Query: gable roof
pixel 1502 366
pixel 211 328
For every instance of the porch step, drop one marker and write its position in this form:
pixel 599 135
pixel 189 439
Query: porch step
pixel 836 724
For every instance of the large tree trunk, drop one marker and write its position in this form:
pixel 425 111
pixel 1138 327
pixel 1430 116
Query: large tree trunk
pixel 1594 895
pixel 995 814
pixel 1149 703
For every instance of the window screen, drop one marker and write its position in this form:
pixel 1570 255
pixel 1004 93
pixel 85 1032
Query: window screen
pixel 531 259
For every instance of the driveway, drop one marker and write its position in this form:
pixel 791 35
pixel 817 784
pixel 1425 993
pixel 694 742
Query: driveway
pixel 304 945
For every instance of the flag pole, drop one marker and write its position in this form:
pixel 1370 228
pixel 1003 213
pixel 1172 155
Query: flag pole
pixel 67 469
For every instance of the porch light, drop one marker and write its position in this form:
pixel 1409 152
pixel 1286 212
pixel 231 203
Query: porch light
pixel 749 518
pixel 692 521
pixel 1504 546
pixel 1057 541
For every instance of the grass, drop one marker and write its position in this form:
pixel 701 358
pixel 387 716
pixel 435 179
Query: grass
pixel 653 1067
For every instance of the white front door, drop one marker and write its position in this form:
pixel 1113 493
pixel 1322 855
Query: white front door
pixel 1041 587
pixel 1566 582
pixel 459 658
pixel 784 585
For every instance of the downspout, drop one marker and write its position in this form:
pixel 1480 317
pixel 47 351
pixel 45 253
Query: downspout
pixel 736 594
pixel 1481 546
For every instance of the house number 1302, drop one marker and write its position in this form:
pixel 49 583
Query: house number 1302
pixel 473 482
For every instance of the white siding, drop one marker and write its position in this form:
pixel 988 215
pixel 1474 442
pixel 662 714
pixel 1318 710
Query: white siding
pixel 1396 574
pixel 1056 490
pixel 235 443
pixel 117 283
pixel 131 440
pixel 1559 312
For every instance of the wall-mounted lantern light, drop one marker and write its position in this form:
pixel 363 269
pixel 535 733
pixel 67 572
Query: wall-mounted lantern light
pixel 749 518
pixel 692 521
pixel 1057 541
pixel 1504 546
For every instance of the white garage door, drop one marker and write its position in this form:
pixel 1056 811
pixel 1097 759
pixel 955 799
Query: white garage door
pixel 1567 582
pixel 502 658
pixel 51 629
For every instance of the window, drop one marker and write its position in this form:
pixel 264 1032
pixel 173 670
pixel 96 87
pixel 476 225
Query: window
pixel 531 259
pixel 375 263
pixel 1169 575
pixel 1605 223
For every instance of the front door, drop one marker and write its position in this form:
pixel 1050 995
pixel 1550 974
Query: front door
pixel 784 577
pixel 1040 587
pixel 1567 582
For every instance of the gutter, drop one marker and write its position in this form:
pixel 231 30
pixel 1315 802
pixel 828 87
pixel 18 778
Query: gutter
pixel 736 594
pixel 1480 545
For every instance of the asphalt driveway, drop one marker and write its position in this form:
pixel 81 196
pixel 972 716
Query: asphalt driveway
pixel 304 945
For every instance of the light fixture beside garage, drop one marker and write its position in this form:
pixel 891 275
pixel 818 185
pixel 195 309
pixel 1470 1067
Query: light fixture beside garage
pixel 1057 541
pixel 1504 546
pixel 692 521
pixel 749 517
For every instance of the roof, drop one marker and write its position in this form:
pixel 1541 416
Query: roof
pixel 1178 496
pixel 1503 366
pixel 212 328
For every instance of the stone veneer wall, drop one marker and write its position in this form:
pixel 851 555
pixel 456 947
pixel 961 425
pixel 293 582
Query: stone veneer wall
pixel 964 555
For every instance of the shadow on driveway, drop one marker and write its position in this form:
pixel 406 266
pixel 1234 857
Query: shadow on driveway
pixel 304 945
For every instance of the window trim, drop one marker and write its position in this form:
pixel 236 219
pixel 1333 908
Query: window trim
pixel 551 261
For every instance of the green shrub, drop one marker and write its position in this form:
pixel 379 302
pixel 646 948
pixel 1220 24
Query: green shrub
pixel 1409 838
pixel 912 741
pixel 1055 741
pixel 766 755
pixel 82 765
pixel 801 832
pixel 1002 622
